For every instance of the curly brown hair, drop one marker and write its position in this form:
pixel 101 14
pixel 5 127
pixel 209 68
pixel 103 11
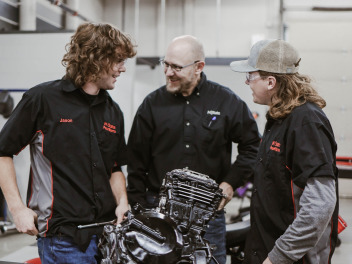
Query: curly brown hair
pixel 292 90
pixel 93 49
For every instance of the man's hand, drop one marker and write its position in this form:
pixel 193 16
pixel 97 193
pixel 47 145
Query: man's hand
pixel 228 191
pixel 25 220
pixel 267 261
pixel 118 187
pixel 120 211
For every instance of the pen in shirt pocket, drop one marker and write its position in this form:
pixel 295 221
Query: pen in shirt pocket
pixel 211 121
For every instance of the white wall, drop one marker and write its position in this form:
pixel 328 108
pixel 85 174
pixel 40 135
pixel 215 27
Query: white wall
pixel 227 33
pixel 326 52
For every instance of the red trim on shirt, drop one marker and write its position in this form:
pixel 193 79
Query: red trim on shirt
pixel 293 196
pixel 52 195
pixel 31 187
pixel 52 185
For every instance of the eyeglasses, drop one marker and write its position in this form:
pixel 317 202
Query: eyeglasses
pixel 250 77
pixel 174 67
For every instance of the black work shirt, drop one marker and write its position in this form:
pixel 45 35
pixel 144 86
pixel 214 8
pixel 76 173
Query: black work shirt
pixel 171 131
pixel 292 149
pixel 75 145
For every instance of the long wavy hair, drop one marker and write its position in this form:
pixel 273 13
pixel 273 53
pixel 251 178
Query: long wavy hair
pixel 292 90
pixel 93 49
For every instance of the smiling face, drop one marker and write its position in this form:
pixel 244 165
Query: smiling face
pixel 106 80
pixel 180 53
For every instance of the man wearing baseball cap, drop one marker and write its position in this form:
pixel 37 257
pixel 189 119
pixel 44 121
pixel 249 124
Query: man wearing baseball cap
pixel 294 207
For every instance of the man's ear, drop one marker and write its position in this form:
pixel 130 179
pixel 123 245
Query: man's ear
pixel 200 66
pixel 271 82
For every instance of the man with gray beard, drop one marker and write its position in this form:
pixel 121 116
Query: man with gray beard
pixel 191 122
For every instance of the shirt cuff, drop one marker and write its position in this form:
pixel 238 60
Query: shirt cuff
pixel 277 257
pixel 116 168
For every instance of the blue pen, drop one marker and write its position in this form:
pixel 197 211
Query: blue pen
pixel 213 119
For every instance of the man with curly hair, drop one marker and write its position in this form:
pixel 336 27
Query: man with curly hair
pixel 294 207
pixel 75 132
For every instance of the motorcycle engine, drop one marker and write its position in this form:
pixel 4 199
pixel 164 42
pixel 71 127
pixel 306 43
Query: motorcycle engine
pixel 170 233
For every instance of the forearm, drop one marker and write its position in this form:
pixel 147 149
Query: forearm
pixel 8 184
pixel 317 203
pixel 24 217
pixel 118 186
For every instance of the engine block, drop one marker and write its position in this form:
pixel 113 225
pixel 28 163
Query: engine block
pixel 171 233
pixel 189 198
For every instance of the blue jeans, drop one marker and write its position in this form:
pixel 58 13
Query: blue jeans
pixel 62 249
pixel 216 235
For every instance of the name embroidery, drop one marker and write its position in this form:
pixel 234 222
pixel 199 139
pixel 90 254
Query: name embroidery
pixel 275 146
pixel 109 127
pixel 212 112
pixel 66 120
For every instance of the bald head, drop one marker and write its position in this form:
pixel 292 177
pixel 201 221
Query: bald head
pixel 188 46
pixel 185 56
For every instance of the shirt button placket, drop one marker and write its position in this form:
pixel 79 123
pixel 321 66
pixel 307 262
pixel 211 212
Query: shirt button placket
pixel 188 133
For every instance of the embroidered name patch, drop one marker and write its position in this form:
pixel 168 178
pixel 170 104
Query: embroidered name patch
pixel 275 146
pixel 66 120
pixel 109 127
pixel 212 112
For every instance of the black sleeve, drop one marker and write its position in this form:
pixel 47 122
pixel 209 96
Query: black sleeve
pixel 244 132
pixel 311 152
pixel 21 125
pixel 139 155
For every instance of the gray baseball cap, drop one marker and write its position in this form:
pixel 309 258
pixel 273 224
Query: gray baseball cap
pixel 271 55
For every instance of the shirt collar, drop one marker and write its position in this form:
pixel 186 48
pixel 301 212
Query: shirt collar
pixel 203 79
pixel 70 87
pixel 271 120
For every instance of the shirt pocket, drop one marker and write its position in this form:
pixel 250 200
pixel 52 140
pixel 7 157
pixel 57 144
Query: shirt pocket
pixel 275 166
pixel 109 139
pixel 212 132
pixel 279 177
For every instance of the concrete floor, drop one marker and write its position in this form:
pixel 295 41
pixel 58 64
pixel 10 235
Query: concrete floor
pixel 16 247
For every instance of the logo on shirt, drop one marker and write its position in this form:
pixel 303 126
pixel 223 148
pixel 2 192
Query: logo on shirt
pixel 275 146
pixel 212 112
pixel 66 120
pixel 109 127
